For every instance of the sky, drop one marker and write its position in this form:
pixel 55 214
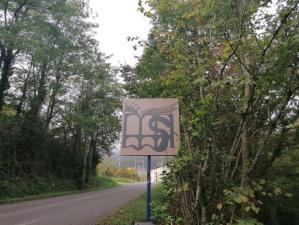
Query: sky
pixel 119 19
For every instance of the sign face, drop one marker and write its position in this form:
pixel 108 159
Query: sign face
pixel 150 127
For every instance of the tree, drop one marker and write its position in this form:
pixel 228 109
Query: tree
pixel 59 98
pixel 234 68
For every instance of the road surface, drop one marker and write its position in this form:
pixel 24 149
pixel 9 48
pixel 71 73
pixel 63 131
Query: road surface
pixel 78 209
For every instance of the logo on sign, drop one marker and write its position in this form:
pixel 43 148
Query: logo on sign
pixel 148 127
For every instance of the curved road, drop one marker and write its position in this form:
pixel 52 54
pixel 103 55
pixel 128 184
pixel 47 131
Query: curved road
pixel 77 209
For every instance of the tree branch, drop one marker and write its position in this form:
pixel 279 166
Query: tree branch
pixel 15 15
pixel 283 21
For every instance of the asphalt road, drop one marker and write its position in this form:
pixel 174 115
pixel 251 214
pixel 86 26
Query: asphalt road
pixel 78 209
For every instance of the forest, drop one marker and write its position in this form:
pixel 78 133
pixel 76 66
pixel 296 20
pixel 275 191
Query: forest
pixel 59 99
pixel 232 64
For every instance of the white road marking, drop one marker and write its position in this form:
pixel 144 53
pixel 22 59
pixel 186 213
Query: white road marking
pixel 29 222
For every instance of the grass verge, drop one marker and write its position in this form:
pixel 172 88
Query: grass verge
pixel 123 180
pixel 98 183
pixel 134 211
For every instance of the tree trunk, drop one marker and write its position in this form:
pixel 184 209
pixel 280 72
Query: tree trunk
pixel 37 101
pixel 91 151
pixel 2 54
pixel 84 169
pixel 19 107
pixel 6 72
pixel 85 154
pixel 245 153
pixel 245 139
pixel 51 105
pixel 55 90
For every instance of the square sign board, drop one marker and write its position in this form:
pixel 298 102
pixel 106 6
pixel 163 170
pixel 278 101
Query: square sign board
pixel 150 127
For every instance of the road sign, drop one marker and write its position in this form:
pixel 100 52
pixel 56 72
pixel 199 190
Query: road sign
pixel 150 127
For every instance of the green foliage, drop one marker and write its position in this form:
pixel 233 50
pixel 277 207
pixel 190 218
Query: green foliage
pixel 234 69
pixel 160 212
pixel 59 99
pixel 7 114
pixel 283 207
pixel 16 190
pixel 247 222
pixel 96 182
pixel 108 169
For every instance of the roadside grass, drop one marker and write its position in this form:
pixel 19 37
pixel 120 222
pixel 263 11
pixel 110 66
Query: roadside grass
pixel 63 188
pixel 123 180
pixel 134 211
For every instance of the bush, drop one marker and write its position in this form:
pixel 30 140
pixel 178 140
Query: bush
pixel 108 169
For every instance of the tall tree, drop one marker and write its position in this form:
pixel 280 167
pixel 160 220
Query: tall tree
pixel 58 97
pixel 234 67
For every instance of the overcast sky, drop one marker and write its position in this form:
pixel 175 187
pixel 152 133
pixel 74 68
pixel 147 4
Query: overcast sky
pixel 117 20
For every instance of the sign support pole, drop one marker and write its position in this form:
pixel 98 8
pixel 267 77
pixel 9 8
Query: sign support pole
pixel 148 189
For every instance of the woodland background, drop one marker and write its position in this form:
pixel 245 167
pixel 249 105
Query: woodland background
pixel 234 67
pixel 58 97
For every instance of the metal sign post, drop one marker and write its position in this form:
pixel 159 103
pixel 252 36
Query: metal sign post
pixel 148 189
